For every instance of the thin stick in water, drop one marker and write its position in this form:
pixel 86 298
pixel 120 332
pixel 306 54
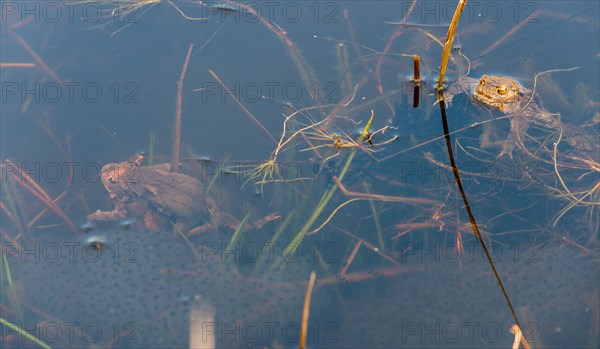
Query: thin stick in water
pixel 177 128
pixel 416 79
pixel 449 39
pixel 244 109
pixel 306 310
pixel 416 69
pixel 458 180
pixel 17 65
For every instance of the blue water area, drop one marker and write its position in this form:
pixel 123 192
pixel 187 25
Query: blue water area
pixel 276 138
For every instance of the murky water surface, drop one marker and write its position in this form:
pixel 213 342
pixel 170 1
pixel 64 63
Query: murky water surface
pixel 273 101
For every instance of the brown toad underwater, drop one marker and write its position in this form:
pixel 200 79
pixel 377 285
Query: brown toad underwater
pixel 508 96
pixel 161 198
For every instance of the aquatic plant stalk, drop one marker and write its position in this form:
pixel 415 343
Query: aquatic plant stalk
pixel 30 185
pixel 293 246
pixel 24 333
pixel 13 210
pixel 177 126
pixel 455 171
pixel 307 74
pixel 36 58
pixel 379 197
pixel 239 104
pixel 350 258
pixel 416 79
pixel 449 39
pixel 388 46
pixel 306 309
pixel 187 241
pixel 272 242
pixel 11 289
pixel 376 220
pixel 214 179
pixel 237 235
pixel 416 94
pixel 153 135
pixel 17 65
pixel 360 56
pixel 343 67
pixel 416 68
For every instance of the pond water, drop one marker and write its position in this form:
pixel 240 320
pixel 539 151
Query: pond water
pixel 275 103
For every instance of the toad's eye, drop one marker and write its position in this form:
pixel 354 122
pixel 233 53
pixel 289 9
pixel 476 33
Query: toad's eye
pixel 112 180
pixel 502 89
pixel 482 82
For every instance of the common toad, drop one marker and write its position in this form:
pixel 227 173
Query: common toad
pixel 508 96
pixel 158 197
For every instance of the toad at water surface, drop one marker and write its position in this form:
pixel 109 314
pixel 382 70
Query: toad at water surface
pixel 157 196
pixel 508 96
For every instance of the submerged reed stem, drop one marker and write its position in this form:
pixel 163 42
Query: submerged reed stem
pixel 449 38
pixel 306 309
pixel 416 69
pixel 177 126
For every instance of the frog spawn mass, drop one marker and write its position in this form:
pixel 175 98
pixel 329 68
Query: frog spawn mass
pixel 138 288
pixel 144 286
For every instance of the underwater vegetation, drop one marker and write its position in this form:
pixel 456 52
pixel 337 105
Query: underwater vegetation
pixel 376 215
